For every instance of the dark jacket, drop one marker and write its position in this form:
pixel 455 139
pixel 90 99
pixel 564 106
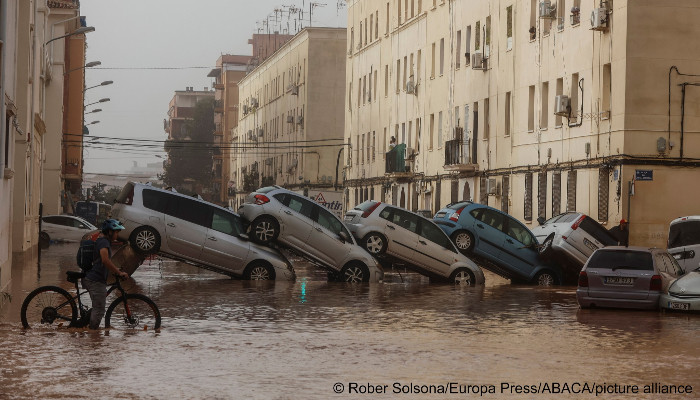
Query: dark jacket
pixel 622 236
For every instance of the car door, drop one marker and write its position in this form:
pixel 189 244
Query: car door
pixel 186 222
pixel 75 229
pixel 401 232
pixel 295 221
pixel 435 252
pixel 518 249
pixel 488 230
pixel 52 225
pixel 325 238
pixel 222 247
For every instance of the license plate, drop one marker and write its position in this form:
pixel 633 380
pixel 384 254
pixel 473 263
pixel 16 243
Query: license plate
pixel 674 305
pixel 590 244
pixel 348 218
pixel 618 280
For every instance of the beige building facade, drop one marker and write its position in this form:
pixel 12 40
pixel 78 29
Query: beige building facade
pixel 290 127
pixel 532 107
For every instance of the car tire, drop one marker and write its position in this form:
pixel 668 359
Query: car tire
pixel 375 243
pixel 545 278
pixel 264 230
pixel 44 240
pixel 145 240
pixel 463 277
pixel 258 271
pixel 545 249
pixel 464 241
pixel 354 272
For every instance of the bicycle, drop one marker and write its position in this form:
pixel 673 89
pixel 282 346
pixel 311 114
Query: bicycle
pixel 52 306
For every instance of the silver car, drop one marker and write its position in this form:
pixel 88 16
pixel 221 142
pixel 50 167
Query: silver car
pixel 184 227
pixel 626 277
pixel 279 215
pixel 384 229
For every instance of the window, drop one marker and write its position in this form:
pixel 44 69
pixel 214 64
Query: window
pixel 603 193
pixel 432 65
pixel 556 193
pixel 368 148
pixel 362 148
pixel 542 195
pixel 467 44
pixel 477 36
pixel 571 191
pixel 374 145
pixel 487 36
pixel 429 231
pixel 505 197
pixel 458 51
pixel 518 232
pixel 531 109
pixel 686 233
pixel 533 19
pixel 225 222
pixel 375 83
pixel 154 200
pixel 300 205
pixel 560 91
pixel 398 74
pixel 609 259
pixel 506 114
pixel 418 61
pixel 561 6
pixel 607 88
pixel 189 210
pixel 483 191
pixel 398 4
pixel 487 125
pixel 509 28
pixel 371 27
pixel 405 74
pixel 544 115
pixel 432 130
pixel 329 221
pixel 528 197
pixel 404 219
pixel 359 45
pixel 440 129
pixel 386 80
pixel 574 96
pixel 492 218
pixel 386 32
pixel 442 56
pixel 7 140
pixel 349 98
pixel 376 24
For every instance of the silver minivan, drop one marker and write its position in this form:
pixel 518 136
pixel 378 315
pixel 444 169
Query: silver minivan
pixel 187 228
pixel 684 241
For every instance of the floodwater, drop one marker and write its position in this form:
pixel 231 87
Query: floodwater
pixel 229 339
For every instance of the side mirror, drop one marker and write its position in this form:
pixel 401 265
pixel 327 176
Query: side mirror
pixel 540 220
pixel 344 237
pixel 243 236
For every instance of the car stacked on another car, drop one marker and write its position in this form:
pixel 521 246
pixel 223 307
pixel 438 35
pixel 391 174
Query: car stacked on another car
pixel 388 230
pixel 310 229
pixel 187 228
pixel 505 246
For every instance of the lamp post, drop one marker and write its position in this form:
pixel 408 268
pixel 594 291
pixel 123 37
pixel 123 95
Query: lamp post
pixel 96 102
pixel 94 111
pixel 105 83
pixel 88 65
pixel 82 29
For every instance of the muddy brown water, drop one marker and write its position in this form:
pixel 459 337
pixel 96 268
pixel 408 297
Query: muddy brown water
pixel 224 338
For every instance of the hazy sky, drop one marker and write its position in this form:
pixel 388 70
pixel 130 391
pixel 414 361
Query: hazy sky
pixel 131 35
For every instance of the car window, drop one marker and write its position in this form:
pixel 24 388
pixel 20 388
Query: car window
pixel 457 206
pixel 189 210
pixel 155 200
pixel 225 222
pixel 570 217
pixel 661 263
pixel 492 218
pixel 282 198
pixel 519 233
pixel 328 221
pixel 76 223
pixel 684 234
pixel 51 220
pixel 405 219
pixel 672 265
pixel 386 214
pixel 597 231
pixel 300 205
pixel 553 219
pixel 365 206
pixel 635 260
pixel 476 213
pixel 65 221
pixel 431 232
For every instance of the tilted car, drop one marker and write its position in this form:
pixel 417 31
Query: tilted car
pixel 187 228
pixel 626 277
pixel 684 241
pixel 505 245
pixel 65 227
pixel 384 229
pixel 310 229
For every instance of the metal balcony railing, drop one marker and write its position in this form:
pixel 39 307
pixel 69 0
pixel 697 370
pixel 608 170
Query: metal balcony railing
pixel 457 152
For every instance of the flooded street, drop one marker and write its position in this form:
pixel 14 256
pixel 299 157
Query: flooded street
pixel 224 338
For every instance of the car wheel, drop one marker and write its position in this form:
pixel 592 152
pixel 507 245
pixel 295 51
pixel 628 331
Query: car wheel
pixel 463 277
pixel 464 241
pixel 145 240
pixel 259 272
pixel 44 240
pixel 354 273
pixel 375 243
pixel 264 230
pixel 546 247
pixel 545 278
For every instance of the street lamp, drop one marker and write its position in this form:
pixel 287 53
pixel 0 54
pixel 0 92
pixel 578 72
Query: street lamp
pixel 88 65
pixel 92 123
pixel 105 83
pixel 82 29
pixel 100 101
pixel 94 111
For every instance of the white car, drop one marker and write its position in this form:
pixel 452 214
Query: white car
pixel 684 293
pixel 684 241
pixel 65 228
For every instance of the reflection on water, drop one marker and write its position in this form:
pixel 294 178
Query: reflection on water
pixel 225 338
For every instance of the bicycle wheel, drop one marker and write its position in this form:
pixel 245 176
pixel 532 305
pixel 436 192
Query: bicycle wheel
pixel 48 307
pixel 138 312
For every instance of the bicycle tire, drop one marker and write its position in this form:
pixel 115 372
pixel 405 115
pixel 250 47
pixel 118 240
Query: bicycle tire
pixel 48 307
pixel 144 313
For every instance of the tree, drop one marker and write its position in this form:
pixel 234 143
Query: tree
pixel 190 157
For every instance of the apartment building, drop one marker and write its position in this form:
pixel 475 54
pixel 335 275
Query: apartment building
pixel 533 107
pixel 230 69
pixel 291 115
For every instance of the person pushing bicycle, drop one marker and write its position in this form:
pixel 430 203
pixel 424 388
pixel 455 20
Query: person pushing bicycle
pixel 95 280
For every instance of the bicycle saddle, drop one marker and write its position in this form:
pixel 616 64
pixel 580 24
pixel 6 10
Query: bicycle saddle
pixel 73 276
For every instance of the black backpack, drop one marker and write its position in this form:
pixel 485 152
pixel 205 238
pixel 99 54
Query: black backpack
pixel 86 255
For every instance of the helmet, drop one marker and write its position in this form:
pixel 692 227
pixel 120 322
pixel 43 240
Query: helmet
pixel 623 221
pixel 112 224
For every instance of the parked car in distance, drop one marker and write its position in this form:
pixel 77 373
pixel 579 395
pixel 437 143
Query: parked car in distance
pixel 66 228
pixel 626 277
pixel 571 238
pixel 93 211
pixel 684 293
pixel 684 241
pixel 505 245
pixel 187 228
pixel 386 230
pixel 310 229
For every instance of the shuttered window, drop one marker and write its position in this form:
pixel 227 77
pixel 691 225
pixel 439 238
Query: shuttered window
pixel 438 195
pixel 556 193
pixel 571 191
pixel 483 193
pixel 454 196
pixel 603 193
pixel 504 195
pixel 542 195
pixel 528 197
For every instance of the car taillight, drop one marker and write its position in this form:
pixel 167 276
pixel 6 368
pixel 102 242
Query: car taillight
pixel 370 210
pixel 655 284
pixel 261 199
pixel 578 222
pixel 583 279
pixel 455 215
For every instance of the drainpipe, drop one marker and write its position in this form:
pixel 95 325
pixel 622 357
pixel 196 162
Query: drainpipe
pixel 3 112
pixel 337 164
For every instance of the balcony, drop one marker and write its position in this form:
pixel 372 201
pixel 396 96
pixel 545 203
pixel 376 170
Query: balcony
pixel 218 106
pixel 457 156
pixel 396 163
pixel 218 85
pixel 219 128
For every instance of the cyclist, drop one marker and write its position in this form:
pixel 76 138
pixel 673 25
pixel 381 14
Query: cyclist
pixel 95 280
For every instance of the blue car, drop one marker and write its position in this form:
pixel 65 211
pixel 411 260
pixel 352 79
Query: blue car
pixel 502 243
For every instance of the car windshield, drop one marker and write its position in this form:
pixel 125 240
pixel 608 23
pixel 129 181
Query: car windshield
pixel 685 233
pixel 553 219
pixel 365 206
pixel 621 259
pixel 457 206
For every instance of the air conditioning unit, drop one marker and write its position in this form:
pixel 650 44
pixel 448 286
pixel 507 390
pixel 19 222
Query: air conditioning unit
pixel 599 19
pixel 290 119
pixel 562 105
pixel 410 87
pixel 295 90
pixel 478 61
pixel 493 187
pixel 547 10
pixel 300 120
pixel 254 102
